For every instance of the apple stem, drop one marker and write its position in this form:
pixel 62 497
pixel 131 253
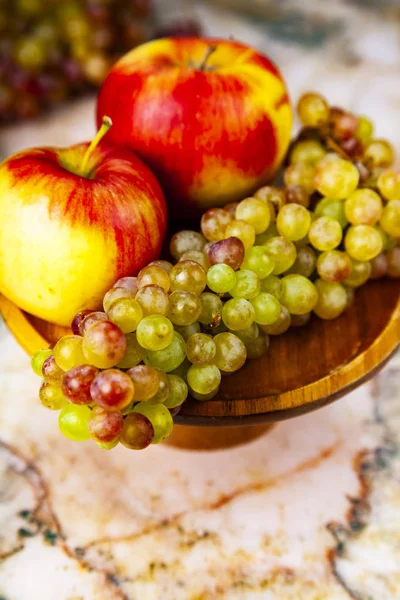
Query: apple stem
pixel 210 50
pixel 106 123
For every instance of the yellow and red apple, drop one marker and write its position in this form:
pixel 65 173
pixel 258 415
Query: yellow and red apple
pixel 211 118
pixel 68 233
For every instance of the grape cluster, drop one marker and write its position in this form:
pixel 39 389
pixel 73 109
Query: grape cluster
pixel 50 49
pixel 257 268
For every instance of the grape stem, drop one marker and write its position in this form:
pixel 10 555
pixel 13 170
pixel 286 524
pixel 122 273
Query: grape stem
pixel 106 124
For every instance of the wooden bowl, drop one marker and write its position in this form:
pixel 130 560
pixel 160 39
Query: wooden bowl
pixel 305 368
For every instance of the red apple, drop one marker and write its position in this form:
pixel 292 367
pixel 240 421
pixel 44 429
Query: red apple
pixel 73 223
pixel 212 118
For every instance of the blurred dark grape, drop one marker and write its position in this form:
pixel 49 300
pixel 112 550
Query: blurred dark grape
pixel 51 50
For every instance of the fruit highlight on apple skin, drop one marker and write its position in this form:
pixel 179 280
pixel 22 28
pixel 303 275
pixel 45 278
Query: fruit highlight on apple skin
pixel 73 221
pixel 212 118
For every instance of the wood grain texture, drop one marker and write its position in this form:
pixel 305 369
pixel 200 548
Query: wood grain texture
pixel 304 369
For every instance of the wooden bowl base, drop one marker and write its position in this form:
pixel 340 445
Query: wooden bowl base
pixel 214 438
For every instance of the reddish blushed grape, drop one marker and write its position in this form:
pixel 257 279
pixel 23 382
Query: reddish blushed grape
pixel 51 371
pixel 128 283
pixel 78 320
pixel 230 251
pixel 137 432
pixel 146 382
pixel 214 222
pixel 91 319
pixel 104 345
pixel 76 384
pixel 105 426
pixel 112 389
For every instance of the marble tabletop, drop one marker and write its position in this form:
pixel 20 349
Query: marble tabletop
pixel 310 511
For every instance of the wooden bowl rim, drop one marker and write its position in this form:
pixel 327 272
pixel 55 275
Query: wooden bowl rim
pixel 283 405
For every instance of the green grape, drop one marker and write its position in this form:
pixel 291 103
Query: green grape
pixel 68 352
pixel 283 252
pixel 164 264
pixel 200 349
pixel 258 260
pixel 155 332
pixel 163 388
pixel 229 251
pixel 76 384
pixel 248 335
pixel 281 325
pixel 104 345
pixel 243 231
pixel 138 430
pixel 255 212
pixel 267 308
pixel 379 153
pixel 336 179
pixel 365 130
pixel 379 266
pixel 73 422
pixel 112 389
pixel 238 314
pixel 168 358
pixel 182 370
pixel 293 222
pixel 185 308
pixel 299 320
pixel 299 294
pixel 334 266
pixel 159 416
pixel 38 359
pixel 259 347
pixel 187 330
pixel 393 263
pixel 186 240
pixel 30 53
pixel 300 174
pixel 273 196
pixel 363 242
pixel 272 285
pixel 360 272
pixel 247 285
pixel 390 220
pixel 105 427
pixel 203 379
pixel 389 184
pixel 51 371
pixel 204 397
pixel 116 293
pixel 332 299
pixel 196 256
pixel 134 353
pixel 230 352
pixel 188 276
pixel 126 314
pixel 305 262
pixel 307 151
pixel 153 300
pixel 145 381
pixel 178 392
pixel 325 234
pixel 333 209
pixel 221 278
pixel 211 309
pixel 271 232
pixel 107 446
pixel 214 222
pixel 153 275
pixel 313 110
pixel 51 396
pixel 363 207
